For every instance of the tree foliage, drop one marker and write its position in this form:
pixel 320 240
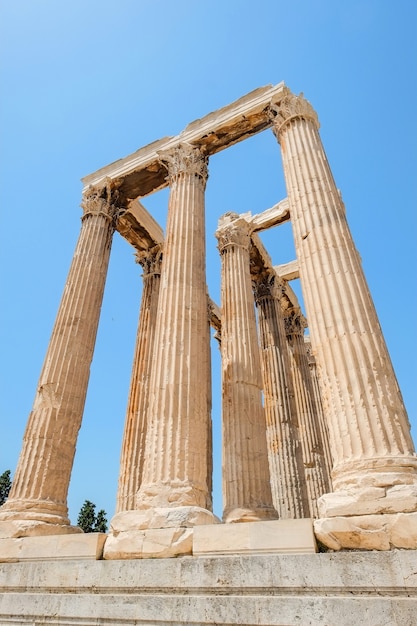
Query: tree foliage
pixel 89 521
pixel 5 486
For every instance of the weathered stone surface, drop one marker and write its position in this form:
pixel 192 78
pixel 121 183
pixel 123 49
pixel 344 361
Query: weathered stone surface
pixel 369 500
pixel 293 536
pixel 368 426
pixel 164 517
pixel 368 532
pixel 166 463
pixel 153 543
pixel 373 588
pixel 246 486
pixel 31 528
pixel 52 547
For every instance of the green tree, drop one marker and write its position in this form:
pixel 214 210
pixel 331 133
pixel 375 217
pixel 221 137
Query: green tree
pixel 100 525
pixel 87 517
pixel 89 521
pixel 5 486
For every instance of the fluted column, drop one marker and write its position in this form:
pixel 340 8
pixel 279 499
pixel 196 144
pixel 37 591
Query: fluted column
pixel 134 437
pixel 38 498
pixel 316 471
pixel 246 486
pixel 318 406
pixel 175 469
pixel 284 448
pixel 374 461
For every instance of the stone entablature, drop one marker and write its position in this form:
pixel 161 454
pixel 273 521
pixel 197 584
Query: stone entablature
pixel 335 400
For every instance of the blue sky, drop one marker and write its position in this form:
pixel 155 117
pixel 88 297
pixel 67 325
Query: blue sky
pixel 86 83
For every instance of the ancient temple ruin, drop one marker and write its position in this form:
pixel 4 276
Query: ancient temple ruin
pixel 316 440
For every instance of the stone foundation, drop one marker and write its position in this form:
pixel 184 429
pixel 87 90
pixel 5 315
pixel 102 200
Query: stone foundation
pixel 374 588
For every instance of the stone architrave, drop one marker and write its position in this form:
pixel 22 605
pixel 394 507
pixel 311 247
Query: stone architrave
pixel 133 447
pixel 375 464
pixel 37 504
pixel 288 482
pixel 316 469
pixel 246 482
pixel 175 470
pixel 318 406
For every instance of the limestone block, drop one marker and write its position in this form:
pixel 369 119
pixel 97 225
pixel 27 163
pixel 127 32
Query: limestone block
pixel 369 501
pixel 152 543
pixel 53 547
pixel 342 588
pixel 15 528
pixel 292 536
pixel 161 517
pixel 368 532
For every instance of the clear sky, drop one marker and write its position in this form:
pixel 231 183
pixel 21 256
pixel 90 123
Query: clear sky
pixel 86 83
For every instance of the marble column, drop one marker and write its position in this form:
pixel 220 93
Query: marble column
pixel 318 407
pixel 246 486
pixel 374 470
pixel 37 503
pixel 316 470
pixel 175 470
pixel 288 483
pixel 134 437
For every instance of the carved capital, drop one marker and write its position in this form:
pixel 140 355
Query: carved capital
pixel 150 260
pixel 185 160
pixel 104 199
pixel 289 108
pixel 267 285
pixel 234 233
pixel 295 322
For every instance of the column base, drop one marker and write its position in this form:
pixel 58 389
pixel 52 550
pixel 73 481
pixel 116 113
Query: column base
pixel 238 515
pixel 369 500
pixel 368 532
pixel 160 532
pixel 16 528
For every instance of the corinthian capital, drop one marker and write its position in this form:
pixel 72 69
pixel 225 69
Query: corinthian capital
pixel 150 260
pixel 267 284
pixel 295 322
pixel 103 199
pixel 185 159
pixel 233 232
pixel 289 108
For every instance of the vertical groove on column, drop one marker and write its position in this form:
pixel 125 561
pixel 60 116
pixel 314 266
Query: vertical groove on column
pixel 368 425
pixel 175 470
pixel 317 472
pixel 133 447
pixel 318 406
pixel 42 477
pixel 285 455
pixel 246 486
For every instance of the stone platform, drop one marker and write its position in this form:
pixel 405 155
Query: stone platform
pixel 343 588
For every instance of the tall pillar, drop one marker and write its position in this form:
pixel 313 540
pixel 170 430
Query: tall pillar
pixel 318 407
pixel 37 503
pixel 374 472
pixel 175 470
pixel 246 486
pixel 134 437
pixel 316 471
pixel 284 448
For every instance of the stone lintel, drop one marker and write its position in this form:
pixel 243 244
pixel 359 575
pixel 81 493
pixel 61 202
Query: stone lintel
pixel 215 315
pixel 53 547
pixel 142 172
pixel 277 214
pixel 294 536
pixel 139 228
pixel 288 271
